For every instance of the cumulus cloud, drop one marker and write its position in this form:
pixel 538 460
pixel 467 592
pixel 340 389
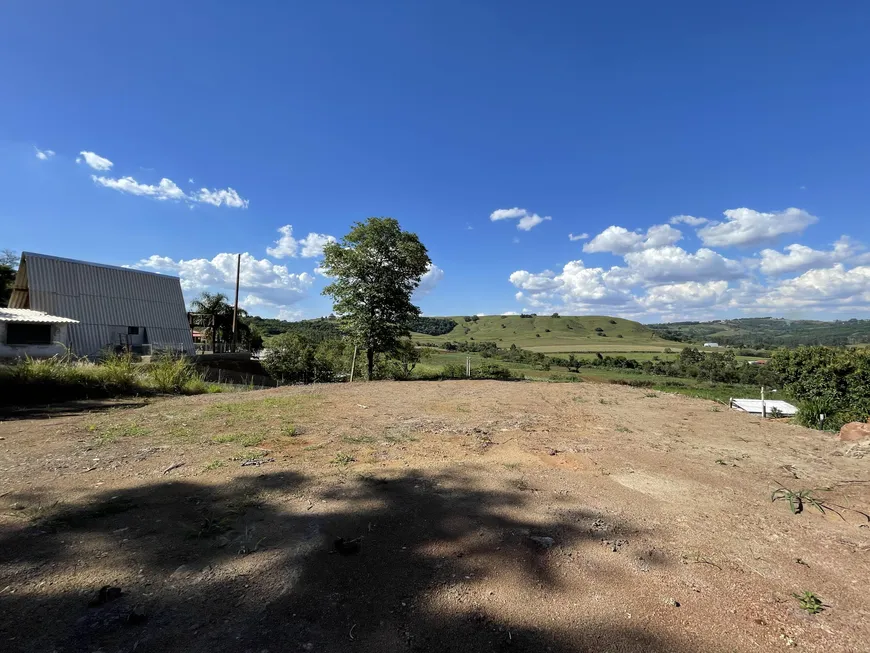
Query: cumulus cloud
pixel 619 240
pixel 690 220
pixel 576 287
pixel 527 220
pixel 216 197
pixel 746 227
pixel 264 282
pixel 44 155
pixel 309 247
pixel 673 264
pixel 679 296
pixel 800 257
pixel 95 161
pixel 167 189
pixel 583 236
pixel 429 280
pixel 833 287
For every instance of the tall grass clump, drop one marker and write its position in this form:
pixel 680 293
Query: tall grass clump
pixel 174 375
pixel 117 373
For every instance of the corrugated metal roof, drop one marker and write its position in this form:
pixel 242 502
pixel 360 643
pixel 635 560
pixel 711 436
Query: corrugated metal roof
pixel 27 315
pixel 105 300
pixel 754 406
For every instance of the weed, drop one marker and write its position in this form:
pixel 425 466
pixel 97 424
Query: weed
pixel 357 439
pixel 343 459
pixel 810 602
pixel 247 543
pixel 797 501
pixel 512 465
pixel 246 440
pixel 215 464
pixel 578 399
pixel 290 431
pixel 522 485
pixel 213 525
pixel 623 429
pixel 651 395
pixel 715 409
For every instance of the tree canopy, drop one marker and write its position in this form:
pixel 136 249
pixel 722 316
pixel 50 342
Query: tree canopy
pixel 375 269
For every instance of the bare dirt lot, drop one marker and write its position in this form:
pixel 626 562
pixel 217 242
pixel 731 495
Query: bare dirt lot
pixel 475 516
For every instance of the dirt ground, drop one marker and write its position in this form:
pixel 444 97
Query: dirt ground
pixel 491 516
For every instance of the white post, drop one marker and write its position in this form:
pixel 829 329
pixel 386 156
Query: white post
pixel 763 406
pixel 468 366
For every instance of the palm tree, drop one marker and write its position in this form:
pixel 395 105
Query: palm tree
pixel 214 305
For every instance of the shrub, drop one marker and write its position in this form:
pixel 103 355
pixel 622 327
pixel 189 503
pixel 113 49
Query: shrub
pixel 171 375
pixel 453 371
pixel 492 371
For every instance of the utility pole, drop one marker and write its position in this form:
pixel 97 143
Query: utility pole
pixel 236 305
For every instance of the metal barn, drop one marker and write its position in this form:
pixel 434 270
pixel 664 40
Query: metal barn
pixel 114 307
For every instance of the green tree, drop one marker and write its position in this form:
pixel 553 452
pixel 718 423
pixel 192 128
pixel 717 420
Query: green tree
pixel 376 268
pixel 8 269
pixel 291 358
pixel 216 307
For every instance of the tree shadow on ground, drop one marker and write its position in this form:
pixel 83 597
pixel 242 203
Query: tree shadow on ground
pixel 66 408
pixel 252 566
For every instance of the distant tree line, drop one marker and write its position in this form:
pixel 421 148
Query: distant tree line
pixel 768 332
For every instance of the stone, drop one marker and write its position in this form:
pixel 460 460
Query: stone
pixel 543 541
pixel 854 431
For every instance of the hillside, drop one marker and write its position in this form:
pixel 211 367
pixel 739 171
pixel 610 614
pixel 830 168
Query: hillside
pixel 551 334
pixel 767 332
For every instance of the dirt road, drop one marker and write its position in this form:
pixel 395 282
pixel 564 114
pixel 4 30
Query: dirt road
pixel 470 516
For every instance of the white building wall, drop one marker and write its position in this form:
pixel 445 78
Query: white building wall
pixel 106 300
pixel 59 337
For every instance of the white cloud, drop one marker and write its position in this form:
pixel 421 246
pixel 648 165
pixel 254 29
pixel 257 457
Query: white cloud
pixel 575 288
pixel 746 227
pixel 834 287
pixel 313 244
pixel 216 197
pixel 264 282
pixel 527 221
pixel 510 313
pixel 679 296
pixel 44 155
pixel 690 220
pixel 429 280
pixel 573 238
pixel 674 264
pixel 288 246
pixel 165 190
pixel 800 257
pixel 619 240
pixel 507 214
pixel 95 161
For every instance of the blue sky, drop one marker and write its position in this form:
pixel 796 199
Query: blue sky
pixel 491 129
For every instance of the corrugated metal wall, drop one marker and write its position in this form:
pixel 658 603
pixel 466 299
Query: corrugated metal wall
pixel 106 300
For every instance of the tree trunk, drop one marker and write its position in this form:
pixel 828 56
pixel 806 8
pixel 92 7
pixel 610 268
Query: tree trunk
pixel 370 354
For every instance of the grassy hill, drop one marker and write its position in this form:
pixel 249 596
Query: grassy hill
pixel 548 334
pixel 768 332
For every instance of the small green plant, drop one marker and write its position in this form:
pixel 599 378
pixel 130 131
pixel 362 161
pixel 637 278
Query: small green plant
pixel 798 500
pixel 810 602
pixel 343 459
pixel 623 429
pixel 774 413
pixel 290 431
pixel 651 395
pixel 214 464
